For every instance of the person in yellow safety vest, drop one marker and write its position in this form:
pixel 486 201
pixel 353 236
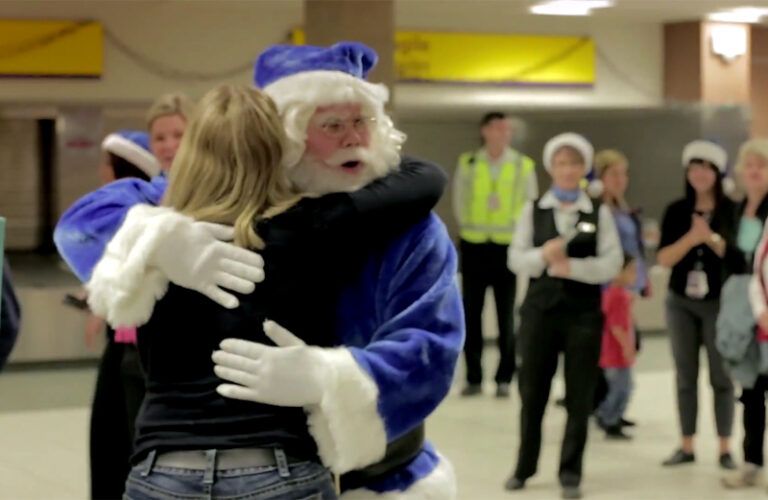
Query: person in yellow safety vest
pixel 491 186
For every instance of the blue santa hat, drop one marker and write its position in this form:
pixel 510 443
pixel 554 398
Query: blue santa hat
pixel 319 76
pixel 133 146
pixel 280 61
pixel 302 78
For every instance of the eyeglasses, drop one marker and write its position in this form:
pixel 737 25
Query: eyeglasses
pixel 337 128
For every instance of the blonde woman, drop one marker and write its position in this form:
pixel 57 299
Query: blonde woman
pixel 752 173
pixel 166 121
pixel 612 168
pixel 190 440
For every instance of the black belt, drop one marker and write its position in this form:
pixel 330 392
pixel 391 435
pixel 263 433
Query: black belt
pixel 399 452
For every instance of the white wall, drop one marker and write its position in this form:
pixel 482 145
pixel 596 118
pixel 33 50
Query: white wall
pixel 209 36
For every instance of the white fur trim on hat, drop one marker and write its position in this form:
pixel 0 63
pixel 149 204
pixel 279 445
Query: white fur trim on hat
pixel 596 188
pixel 298 96
pixel 708 151
pixel 576 141
pixel 324 88
pixel 124 148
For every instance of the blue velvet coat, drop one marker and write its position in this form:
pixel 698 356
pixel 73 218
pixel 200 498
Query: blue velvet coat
pixel 402 320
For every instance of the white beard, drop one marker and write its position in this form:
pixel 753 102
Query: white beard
pixel 313 176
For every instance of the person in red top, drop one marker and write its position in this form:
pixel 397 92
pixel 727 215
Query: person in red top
pixel 617 354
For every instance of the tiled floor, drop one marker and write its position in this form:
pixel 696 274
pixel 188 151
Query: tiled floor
pixel 44 422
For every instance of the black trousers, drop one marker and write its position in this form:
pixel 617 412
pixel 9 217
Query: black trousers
pixel 754 420
pixel 484 265
pixel 576 331
pixel 116 402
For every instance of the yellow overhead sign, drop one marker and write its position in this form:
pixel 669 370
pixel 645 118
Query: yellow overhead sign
pixel 491 59
pixel 51 48
pixel 494 59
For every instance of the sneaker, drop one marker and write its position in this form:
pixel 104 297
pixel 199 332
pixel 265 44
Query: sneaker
pixel 627 423
pixel 616 433
pixel 748 476
pixel 726 462
pixel 514 484
pixel 472 390
pixel 571 492
pixel 502 391
pixel 678 458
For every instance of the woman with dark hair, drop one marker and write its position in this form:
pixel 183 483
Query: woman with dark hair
pixel 120 381
pixel 693 244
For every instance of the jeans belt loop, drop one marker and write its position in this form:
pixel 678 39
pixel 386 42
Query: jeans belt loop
pixel 149 463
pixel 210 468
pixel 282 463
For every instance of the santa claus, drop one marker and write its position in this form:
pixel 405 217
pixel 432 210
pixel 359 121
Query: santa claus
pixel 399 321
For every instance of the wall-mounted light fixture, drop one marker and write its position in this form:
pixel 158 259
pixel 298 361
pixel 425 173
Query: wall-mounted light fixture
pixel 729 41
pixel 569 7
pixel 739 15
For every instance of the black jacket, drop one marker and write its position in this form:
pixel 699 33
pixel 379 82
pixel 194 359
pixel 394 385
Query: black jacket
pixel 10 316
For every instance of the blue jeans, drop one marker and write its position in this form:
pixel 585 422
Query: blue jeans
pixel 298 481
pixel 619 389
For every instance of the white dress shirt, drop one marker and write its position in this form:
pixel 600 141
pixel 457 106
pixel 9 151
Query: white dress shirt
pixel 524 258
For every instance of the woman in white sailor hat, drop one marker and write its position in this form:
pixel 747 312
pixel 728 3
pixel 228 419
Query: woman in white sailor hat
pixel 568 244
pixel 694 232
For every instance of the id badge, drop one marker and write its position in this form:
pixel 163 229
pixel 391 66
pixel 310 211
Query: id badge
pixel 697 286
pixel 493 202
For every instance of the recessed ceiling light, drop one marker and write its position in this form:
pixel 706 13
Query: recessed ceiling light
pixel 739 15
pixel 569 7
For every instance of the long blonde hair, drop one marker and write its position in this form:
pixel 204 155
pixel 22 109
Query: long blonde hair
pixel 228 169
pixel 170 104
pixel 604 160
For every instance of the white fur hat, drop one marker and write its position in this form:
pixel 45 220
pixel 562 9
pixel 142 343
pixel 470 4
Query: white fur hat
pixel 574 140
pixel 708 151
pixel 133 146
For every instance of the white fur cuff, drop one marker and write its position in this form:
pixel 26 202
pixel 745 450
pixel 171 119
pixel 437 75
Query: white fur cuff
pixel 124 287
pixel 440 484
pixel 346 425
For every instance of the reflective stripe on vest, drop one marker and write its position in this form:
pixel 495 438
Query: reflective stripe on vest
pixel 481 219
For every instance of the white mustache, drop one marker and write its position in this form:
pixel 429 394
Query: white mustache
pixel 352 154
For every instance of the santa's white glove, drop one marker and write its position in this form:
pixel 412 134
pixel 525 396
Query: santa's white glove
pixel 195 255
pixel 290 374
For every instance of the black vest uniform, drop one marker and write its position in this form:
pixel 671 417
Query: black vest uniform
pixel 559 315
pixel 546 292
